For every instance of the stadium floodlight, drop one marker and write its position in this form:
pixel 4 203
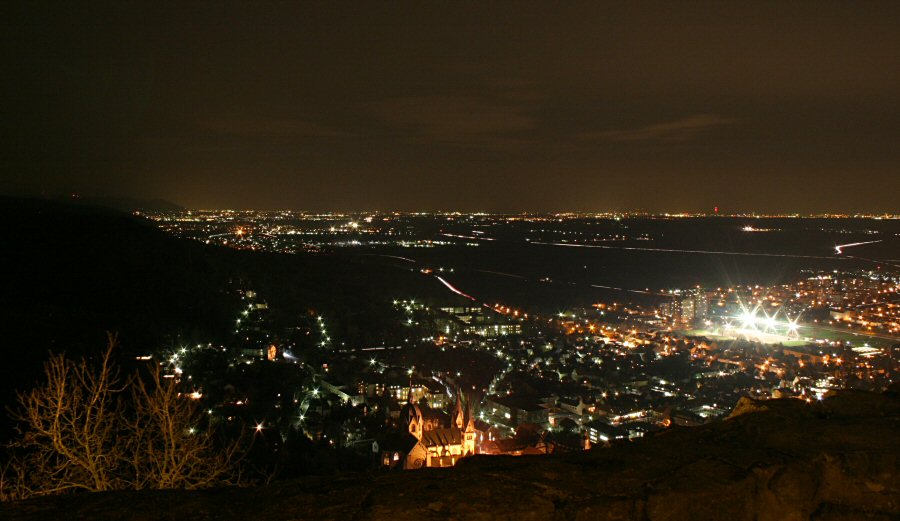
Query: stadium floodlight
pixel 770 320
pixel 749 319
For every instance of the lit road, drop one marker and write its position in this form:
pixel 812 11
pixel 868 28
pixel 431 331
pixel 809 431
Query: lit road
pixel 454 290
pixel 467 237
pixel 502 274
pixel 405 259
pixel 639 291
pixel 840 247
pixel 674 250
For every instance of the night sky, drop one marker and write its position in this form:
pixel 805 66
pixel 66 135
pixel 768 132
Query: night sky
pixel 669 106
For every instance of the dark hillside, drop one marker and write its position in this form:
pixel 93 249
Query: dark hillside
pixel 73 272
pixel 774 461
pixel 76 271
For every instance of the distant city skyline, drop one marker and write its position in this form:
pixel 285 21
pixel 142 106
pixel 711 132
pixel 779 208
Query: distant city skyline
pixel 505 107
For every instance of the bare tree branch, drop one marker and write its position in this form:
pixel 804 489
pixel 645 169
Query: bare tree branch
pixel 79 430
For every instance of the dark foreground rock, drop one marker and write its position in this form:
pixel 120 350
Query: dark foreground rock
pixel 775 460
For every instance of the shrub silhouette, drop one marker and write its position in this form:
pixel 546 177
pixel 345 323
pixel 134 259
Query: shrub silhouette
pixel 87 428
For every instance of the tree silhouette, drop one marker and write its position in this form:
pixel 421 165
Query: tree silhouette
pixel 85 428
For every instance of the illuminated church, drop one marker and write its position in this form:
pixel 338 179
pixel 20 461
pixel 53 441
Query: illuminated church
pixel 427 443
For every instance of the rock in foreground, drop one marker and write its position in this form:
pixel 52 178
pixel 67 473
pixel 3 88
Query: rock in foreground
pixel 774 460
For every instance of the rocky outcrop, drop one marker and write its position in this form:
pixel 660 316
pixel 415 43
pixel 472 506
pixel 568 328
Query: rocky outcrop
pixel 778 460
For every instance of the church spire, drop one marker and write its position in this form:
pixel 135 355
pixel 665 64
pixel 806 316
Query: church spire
pixel 411 415
pixel 458 415
pixel 470 418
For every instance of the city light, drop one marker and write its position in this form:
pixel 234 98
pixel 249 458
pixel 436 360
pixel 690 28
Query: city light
pixel 666 233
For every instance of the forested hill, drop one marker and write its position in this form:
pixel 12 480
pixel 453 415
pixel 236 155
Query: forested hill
pixel 73 272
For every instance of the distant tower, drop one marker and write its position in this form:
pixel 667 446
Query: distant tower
pixel 469 434
pixel 411 415
pixel 458 416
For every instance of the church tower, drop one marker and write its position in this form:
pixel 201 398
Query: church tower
pixel 411 415
pixel 468 435
pixel 458 418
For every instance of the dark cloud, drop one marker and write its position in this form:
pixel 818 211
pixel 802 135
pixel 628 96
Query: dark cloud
pixel 264 128
pixel 684 129
pixel 458 121
pixel 499 105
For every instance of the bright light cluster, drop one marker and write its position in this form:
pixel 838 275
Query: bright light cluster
pixel 759 320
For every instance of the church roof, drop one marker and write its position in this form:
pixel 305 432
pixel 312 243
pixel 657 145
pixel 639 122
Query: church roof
pixel 432 413
pixel 442 437
pixel 402 442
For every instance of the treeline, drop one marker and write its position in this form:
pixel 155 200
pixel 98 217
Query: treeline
pixel 89 427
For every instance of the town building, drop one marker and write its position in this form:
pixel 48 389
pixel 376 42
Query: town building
pixel 424 442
